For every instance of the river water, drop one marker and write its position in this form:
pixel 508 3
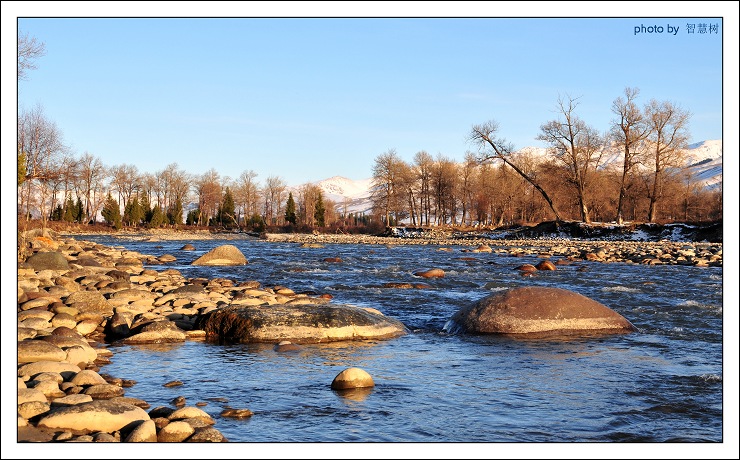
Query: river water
pixel 661 384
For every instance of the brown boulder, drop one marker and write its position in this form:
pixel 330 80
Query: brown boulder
pixel 226 254
pixel 305 323
pixel 537 310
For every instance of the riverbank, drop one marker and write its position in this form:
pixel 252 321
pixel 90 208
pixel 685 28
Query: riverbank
pixel 665 251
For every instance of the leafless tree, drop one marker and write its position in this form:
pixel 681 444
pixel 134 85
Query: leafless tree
pixel 423 163
pixel 444 182
pixel 125 181
pixel 91 176
pixel 577 146
pixel 40 143
pixel 29 49
pixel 668 140
pixel 208 187
pixel 484 136
pixel 386 194
pixel 246 194
pixel 629 130
pixel 274 197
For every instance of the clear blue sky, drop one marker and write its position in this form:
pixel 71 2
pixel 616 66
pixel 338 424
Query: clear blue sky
pixel 309 98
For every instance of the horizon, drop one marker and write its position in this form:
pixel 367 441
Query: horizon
pixel 321 97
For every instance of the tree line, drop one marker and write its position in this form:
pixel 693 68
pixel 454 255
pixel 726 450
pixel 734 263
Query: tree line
pixel 499 185
pixel 495 186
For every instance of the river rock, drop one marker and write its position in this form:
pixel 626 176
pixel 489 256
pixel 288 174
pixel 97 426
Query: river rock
pixel 164 331
pixel 89 302
pixel 51 260
pixel 226 254
pixel 537 310
pixel 431 273
pixel 175 432
pixel 297 323
pixel 104 416
pixel 31 351
pixel 353 377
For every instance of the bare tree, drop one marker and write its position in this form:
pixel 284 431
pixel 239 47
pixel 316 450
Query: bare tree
pixel 484 136
pixel 629 130
pixel 246 193
pixel 125 181
pixel 668 140
pixel 208 187
pixel 29 49
pixel 423 163
pixel 444 184
pixel 40 143
pixel 274 196
pixel 386 191
pixel 577 146
pixel 91 177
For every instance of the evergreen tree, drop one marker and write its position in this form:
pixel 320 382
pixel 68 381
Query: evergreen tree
pixel 193 217
pixel 133 213
pixel 146 209
pixel 158 217
pixel 290 215
pixel 112 212
pixel 319 211
pixel 79 211
pixel 174 215
pixel 69 210
pixel 226 209
pixel 57 213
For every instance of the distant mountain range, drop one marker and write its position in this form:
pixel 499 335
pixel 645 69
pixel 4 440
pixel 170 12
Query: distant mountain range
pixel 703 159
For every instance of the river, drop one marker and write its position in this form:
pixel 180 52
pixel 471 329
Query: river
pixel 661 384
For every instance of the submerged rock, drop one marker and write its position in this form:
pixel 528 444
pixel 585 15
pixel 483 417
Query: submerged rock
pixel 537 310
pixel 306 323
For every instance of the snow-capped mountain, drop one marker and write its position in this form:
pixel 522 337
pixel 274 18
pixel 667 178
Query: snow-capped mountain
pixel 703 161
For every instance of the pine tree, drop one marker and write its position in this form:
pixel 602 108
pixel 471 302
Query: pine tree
pixel 112 212
pixel 226 210
pixel 158 217
pixel 193 217
pixel 133 213
pixel 174 215
pixel 69 210
pixel 79 211
pixel 146 209
pixel 290 215
pixel 319 211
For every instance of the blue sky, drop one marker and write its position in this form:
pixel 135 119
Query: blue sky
pixel 307 98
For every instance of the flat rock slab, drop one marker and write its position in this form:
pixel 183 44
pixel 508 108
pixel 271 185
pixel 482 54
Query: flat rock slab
pixel 537 310
pixel 308 323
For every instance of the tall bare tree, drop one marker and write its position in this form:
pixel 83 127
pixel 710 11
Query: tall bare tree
pixel 577 146
pixel 208 187
pixel 29 49
pixel 274 196
pixel 423 163
pixel 92 176
pixel 386 191
pixel 484 136
pixel 629 130
pixel 668 140
pixel 41 145
pixel 246 194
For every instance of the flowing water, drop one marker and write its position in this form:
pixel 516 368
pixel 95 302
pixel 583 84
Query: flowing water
pixel 661 384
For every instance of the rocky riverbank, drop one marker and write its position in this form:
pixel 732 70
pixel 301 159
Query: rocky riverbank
pixel 75 297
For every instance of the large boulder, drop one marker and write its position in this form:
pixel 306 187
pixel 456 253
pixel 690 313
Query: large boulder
pixel 537 310
pixel 227 254
pixel 51 260
pixel 307 323
pixel 102 415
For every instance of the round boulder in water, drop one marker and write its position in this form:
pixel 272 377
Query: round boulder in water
pixel 529 310
pixel 227 254
pixel 353 377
